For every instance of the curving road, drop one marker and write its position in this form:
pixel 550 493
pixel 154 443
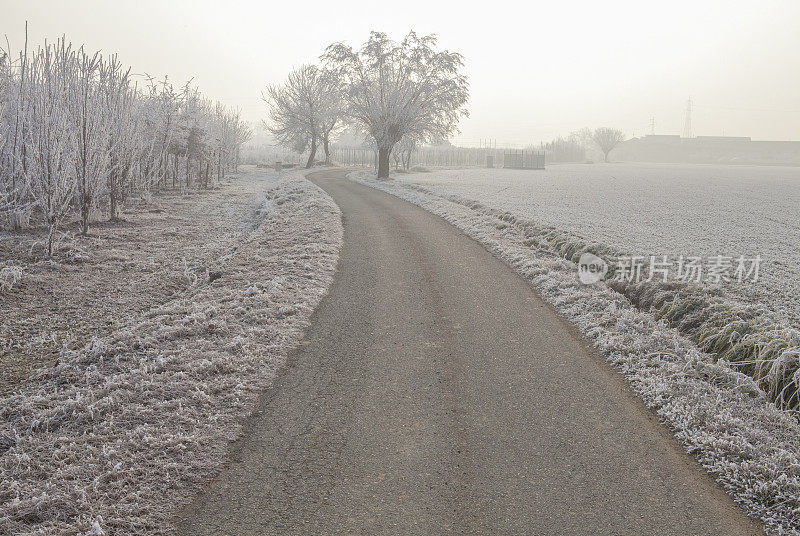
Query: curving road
pixel 437 394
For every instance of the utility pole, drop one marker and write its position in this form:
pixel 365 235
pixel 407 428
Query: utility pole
pixel 687 123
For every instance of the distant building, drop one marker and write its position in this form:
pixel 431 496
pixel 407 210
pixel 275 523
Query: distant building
pixel 708 150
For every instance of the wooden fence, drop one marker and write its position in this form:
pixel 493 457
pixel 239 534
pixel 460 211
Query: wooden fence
pixel 446 157
pixel 526 159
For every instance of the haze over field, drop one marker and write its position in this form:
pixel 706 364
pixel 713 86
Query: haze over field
pixel 658 209
pixel 399 268
pixel 537 70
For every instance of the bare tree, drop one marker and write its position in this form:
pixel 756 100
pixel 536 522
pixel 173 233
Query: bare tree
pixel 333 112
pixel 394 90
pixel 606 139
pixel 50 181
pixel 297 110
pixel 118 97
pixel 77 136
pixel 404 149
pixel 87 110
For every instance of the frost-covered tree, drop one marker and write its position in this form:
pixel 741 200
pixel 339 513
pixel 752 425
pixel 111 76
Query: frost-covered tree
pixel 50 176
pixel 332 118
pixel 299 110
pixel 89 112
pixel 402 151
pixel 606 139
pixel 393 90
pixel 77 136
pixel 118 97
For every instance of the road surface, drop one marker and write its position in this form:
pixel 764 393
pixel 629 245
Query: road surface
pixel 435 393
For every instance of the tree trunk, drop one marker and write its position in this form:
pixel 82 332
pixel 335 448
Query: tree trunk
pixel 383 163
pixel 84 216
pixel 112 205
pixel 326 147
pixel 51 235
pixel 313 152
pixel 407 160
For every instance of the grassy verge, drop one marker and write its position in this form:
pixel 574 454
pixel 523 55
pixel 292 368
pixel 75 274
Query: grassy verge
pixel 749 338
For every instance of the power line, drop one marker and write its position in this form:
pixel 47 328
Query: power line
pixel 747 109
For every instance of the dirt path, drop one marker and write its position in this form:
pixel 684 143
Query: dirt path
pixel 437 394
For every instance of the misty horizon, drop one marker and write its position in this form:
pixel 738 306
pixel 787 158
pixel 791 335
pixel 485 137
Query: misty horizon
pixel 535 73
pixel 399 268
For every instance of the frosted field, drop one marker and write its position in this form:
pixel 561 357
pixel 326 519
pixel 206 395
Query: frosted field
pixel 118 434
pixel 658 209
pixel 716 411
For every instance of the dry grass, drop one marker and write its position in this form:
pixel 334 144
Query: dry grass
pixel 129 424
pixel 720 414
pixel 751 338
pixel 97 284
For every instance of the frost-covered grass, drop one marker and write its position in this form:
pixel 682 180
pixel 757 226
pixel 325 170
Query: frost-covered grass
pixel 644 209
pixel 9 276
pixel 657 209
pixel 94 285
pixel 719 414
pixel 121 432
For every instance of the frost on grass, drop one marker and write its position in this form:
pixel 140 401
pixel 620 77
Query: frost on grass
pixel 657 209
pixel 120 433
pixel 10 275
pixel 751 326
pixel 92 286
pixel 719 414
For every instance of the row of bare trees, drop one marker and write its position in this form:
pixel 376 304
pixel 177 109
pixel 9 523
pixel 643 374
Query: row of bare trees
pixel 575 147
pixel 569 149
pixel 78 135
pixel 398 94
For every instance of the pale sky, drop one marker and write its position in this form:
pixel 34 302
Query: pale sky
pixel 537 69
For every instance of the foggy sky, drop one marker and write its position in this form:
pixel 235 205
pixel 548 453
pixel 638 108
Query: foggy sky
pixel 537 70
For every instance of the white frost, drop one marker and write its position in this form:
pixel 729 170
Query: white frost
pixel 718 414
pixel 132 426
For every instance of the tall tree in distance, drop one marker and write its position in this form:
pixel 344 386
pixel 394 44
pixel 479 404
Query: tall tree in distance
pixel 298 108
pixel 401 89
pixel 333 112
pixel 607 139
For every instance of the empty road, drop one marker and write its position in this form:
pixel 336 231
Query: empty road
pixel 435 393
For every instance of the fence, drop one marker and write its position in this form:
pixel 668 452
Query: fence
pixel 353 156
pixel 446 157
pixel 430 157
pixel 524 160
pixel 268 154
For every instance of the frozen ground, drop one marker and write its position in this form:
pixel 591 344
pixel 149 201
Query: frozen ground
pixel 657 209
pixel 719 414
pixel 97 284
pixel 129 420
